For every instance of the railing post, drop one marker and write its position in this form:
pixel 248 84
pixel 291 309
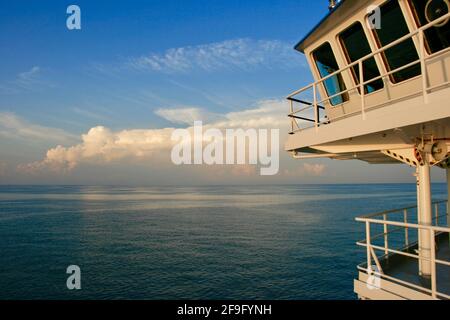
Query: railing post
pixel 386 236
pixel 405 219
pixel 316 111
pixel 292 113
pixel 425 218
pixel 361 89
pixel 419 240
pixel 433 263
pixel 436 213
pixel 423 66
pixel 368 242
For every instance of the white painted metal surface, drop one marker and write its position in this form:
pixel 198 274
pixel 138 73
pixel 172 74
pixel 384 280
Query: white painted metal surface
pixel 403 287
pixel 425 218
pixel 384 114
pixel 401 123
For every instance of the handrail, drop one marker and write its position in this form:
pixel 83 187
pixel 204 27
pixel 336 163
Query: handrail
pixel 423 58
pixel 434 230
pixel 374 53
pixel 392 231
pixel 406 225
pixel 305 102
pixel 363 83
pixel 372 215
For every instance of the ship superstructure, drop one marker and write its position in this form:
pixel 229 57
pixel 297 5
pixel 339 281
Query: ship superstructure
pixel 381 94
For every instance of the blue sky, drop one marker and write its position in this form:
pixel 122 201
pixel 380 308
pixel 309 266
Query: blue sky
pixel 131 65
pixel 113 33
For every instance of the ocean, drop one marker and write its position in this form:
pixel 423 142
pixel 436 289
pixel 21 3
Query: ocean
pixel 217 242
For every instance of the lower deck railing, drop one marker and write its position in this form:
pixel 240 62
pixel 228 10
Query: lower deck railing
pixel 399 222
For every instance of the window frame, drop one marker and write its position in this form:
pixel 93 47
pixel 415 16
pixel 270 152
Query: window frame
pixel 412 10
pixel 348 60
pixel 378 44
pixel 319 76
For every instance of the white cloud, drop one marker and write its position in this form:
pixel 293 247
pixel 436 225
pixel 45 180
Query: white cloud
pixel 314 169
pixel 307 170
pixel 186 115
pixel 266 114
pixel 26 80
pixel 243 54
pixel 27 77
pixel 101 145
pixel 89 114
pixel 12 126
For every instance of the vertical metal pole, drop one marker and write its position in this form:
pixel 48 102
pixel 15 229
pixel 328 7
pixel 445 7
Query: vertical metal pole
pixel 386 236
pixel 419 209
pixel 368 242
pixel 361 89
pixel 316 111
pixel 291 103
pixel 436 213
pixel 433 264
pixel 426 217
pixel 405 219
pixel 423 66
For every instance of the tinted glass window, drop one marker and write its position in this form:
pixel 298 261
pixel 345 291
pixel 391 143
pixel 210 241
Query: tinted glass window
pixel 356 46
pixel 425 11
pixel 326 64
pixel 393 27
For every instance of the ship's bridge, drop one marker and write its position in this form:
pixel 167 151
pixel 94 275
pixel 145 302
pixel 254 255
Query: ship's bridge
pixel 381 71
pixel 381 94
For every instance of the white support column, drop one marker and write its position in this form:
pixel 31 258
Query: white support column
pixel 425 218
pixel 418 210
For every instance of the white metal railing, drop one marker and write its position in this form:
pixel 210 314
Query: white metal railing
pixel 390 227
pixel 315 106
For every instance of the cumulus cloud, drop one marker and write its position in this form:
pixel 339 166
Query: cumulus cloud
pixel 243 54
pixel 307 170
pixel 314 169
pixel 101 145
pixel 265 114
pixel 13 126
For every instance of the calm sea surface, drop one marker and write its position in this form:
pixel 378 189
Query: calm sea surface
pixel 265 242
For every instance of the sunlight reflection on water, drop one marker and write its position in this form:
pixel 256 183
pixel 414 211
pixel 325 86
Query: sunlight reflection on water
pixel 265 242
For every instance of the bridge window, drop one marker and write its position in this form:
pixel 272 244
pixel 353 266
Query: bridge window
pixel 356 46
pixel 426 11
pixel 394 27
pixel 326 64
